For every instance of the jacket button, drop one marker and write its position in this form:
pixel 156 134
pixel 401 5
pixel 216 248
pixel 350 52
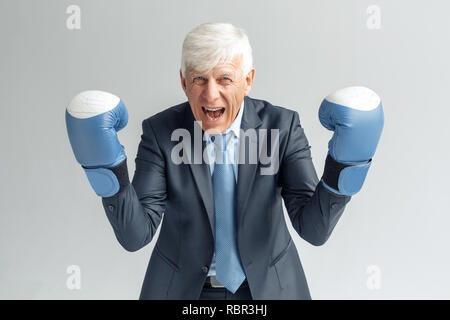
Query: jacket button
pixel 205 269
pixel 111 207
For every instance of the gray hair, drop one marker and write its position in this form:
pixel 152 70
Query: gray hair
pixel 210 44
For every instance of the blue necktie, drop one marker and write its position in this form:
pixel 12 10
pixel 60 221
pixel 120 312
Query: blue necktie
pixel 229 271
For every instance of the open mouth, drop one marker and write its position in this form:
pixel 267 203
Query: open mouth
pixel 213 114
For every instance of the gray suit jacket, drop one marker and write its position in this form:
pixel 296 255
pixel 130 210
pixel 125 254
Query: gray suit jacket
pixel 183 192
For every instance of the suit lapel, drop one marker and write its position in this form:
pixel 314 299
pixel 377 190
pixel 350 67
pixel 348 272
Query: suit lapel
pixel 246 170
pixel 200 171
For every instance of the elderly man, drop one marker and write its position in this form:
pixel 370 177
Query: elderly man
pixel 223 235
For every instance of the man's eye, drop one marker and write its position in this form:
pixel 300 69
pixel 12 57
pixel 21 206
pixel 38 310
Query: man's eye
pixel 199 80
pixel 226 79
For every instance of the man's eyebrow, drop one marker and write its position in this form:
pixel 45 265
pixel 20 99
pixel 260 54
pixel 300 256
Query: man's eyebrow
pixel 226 73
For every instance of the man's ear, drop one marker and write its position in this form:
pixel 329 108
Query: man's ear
pixel 183 81
pixel 249 81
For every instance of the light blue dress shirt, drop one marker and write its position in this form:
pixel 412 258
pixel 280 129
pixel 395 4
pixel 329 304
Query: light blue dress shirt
pixel 232 154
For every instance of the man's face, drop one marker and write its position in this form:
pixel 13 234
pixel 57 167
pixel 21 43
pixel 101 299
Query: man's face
pixel 216 96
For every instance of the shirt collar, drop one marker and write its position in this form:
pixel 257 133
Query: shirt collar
pixel 236 124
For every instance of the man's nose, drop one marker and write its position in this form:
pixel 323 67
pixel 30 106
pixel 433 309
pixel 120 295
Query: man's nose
pixel 211 91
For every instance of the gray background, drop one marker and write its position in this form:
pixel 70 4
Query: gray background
pixel 303 50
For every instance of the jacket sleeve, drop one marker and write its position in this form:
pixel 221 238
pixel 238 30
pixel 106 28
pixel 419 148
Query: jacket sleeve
pixel 135 212
pixel 313 210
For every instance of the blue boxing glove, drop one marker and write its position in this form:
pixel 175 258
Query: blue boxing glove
pixel 355 114
pixel 93 119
